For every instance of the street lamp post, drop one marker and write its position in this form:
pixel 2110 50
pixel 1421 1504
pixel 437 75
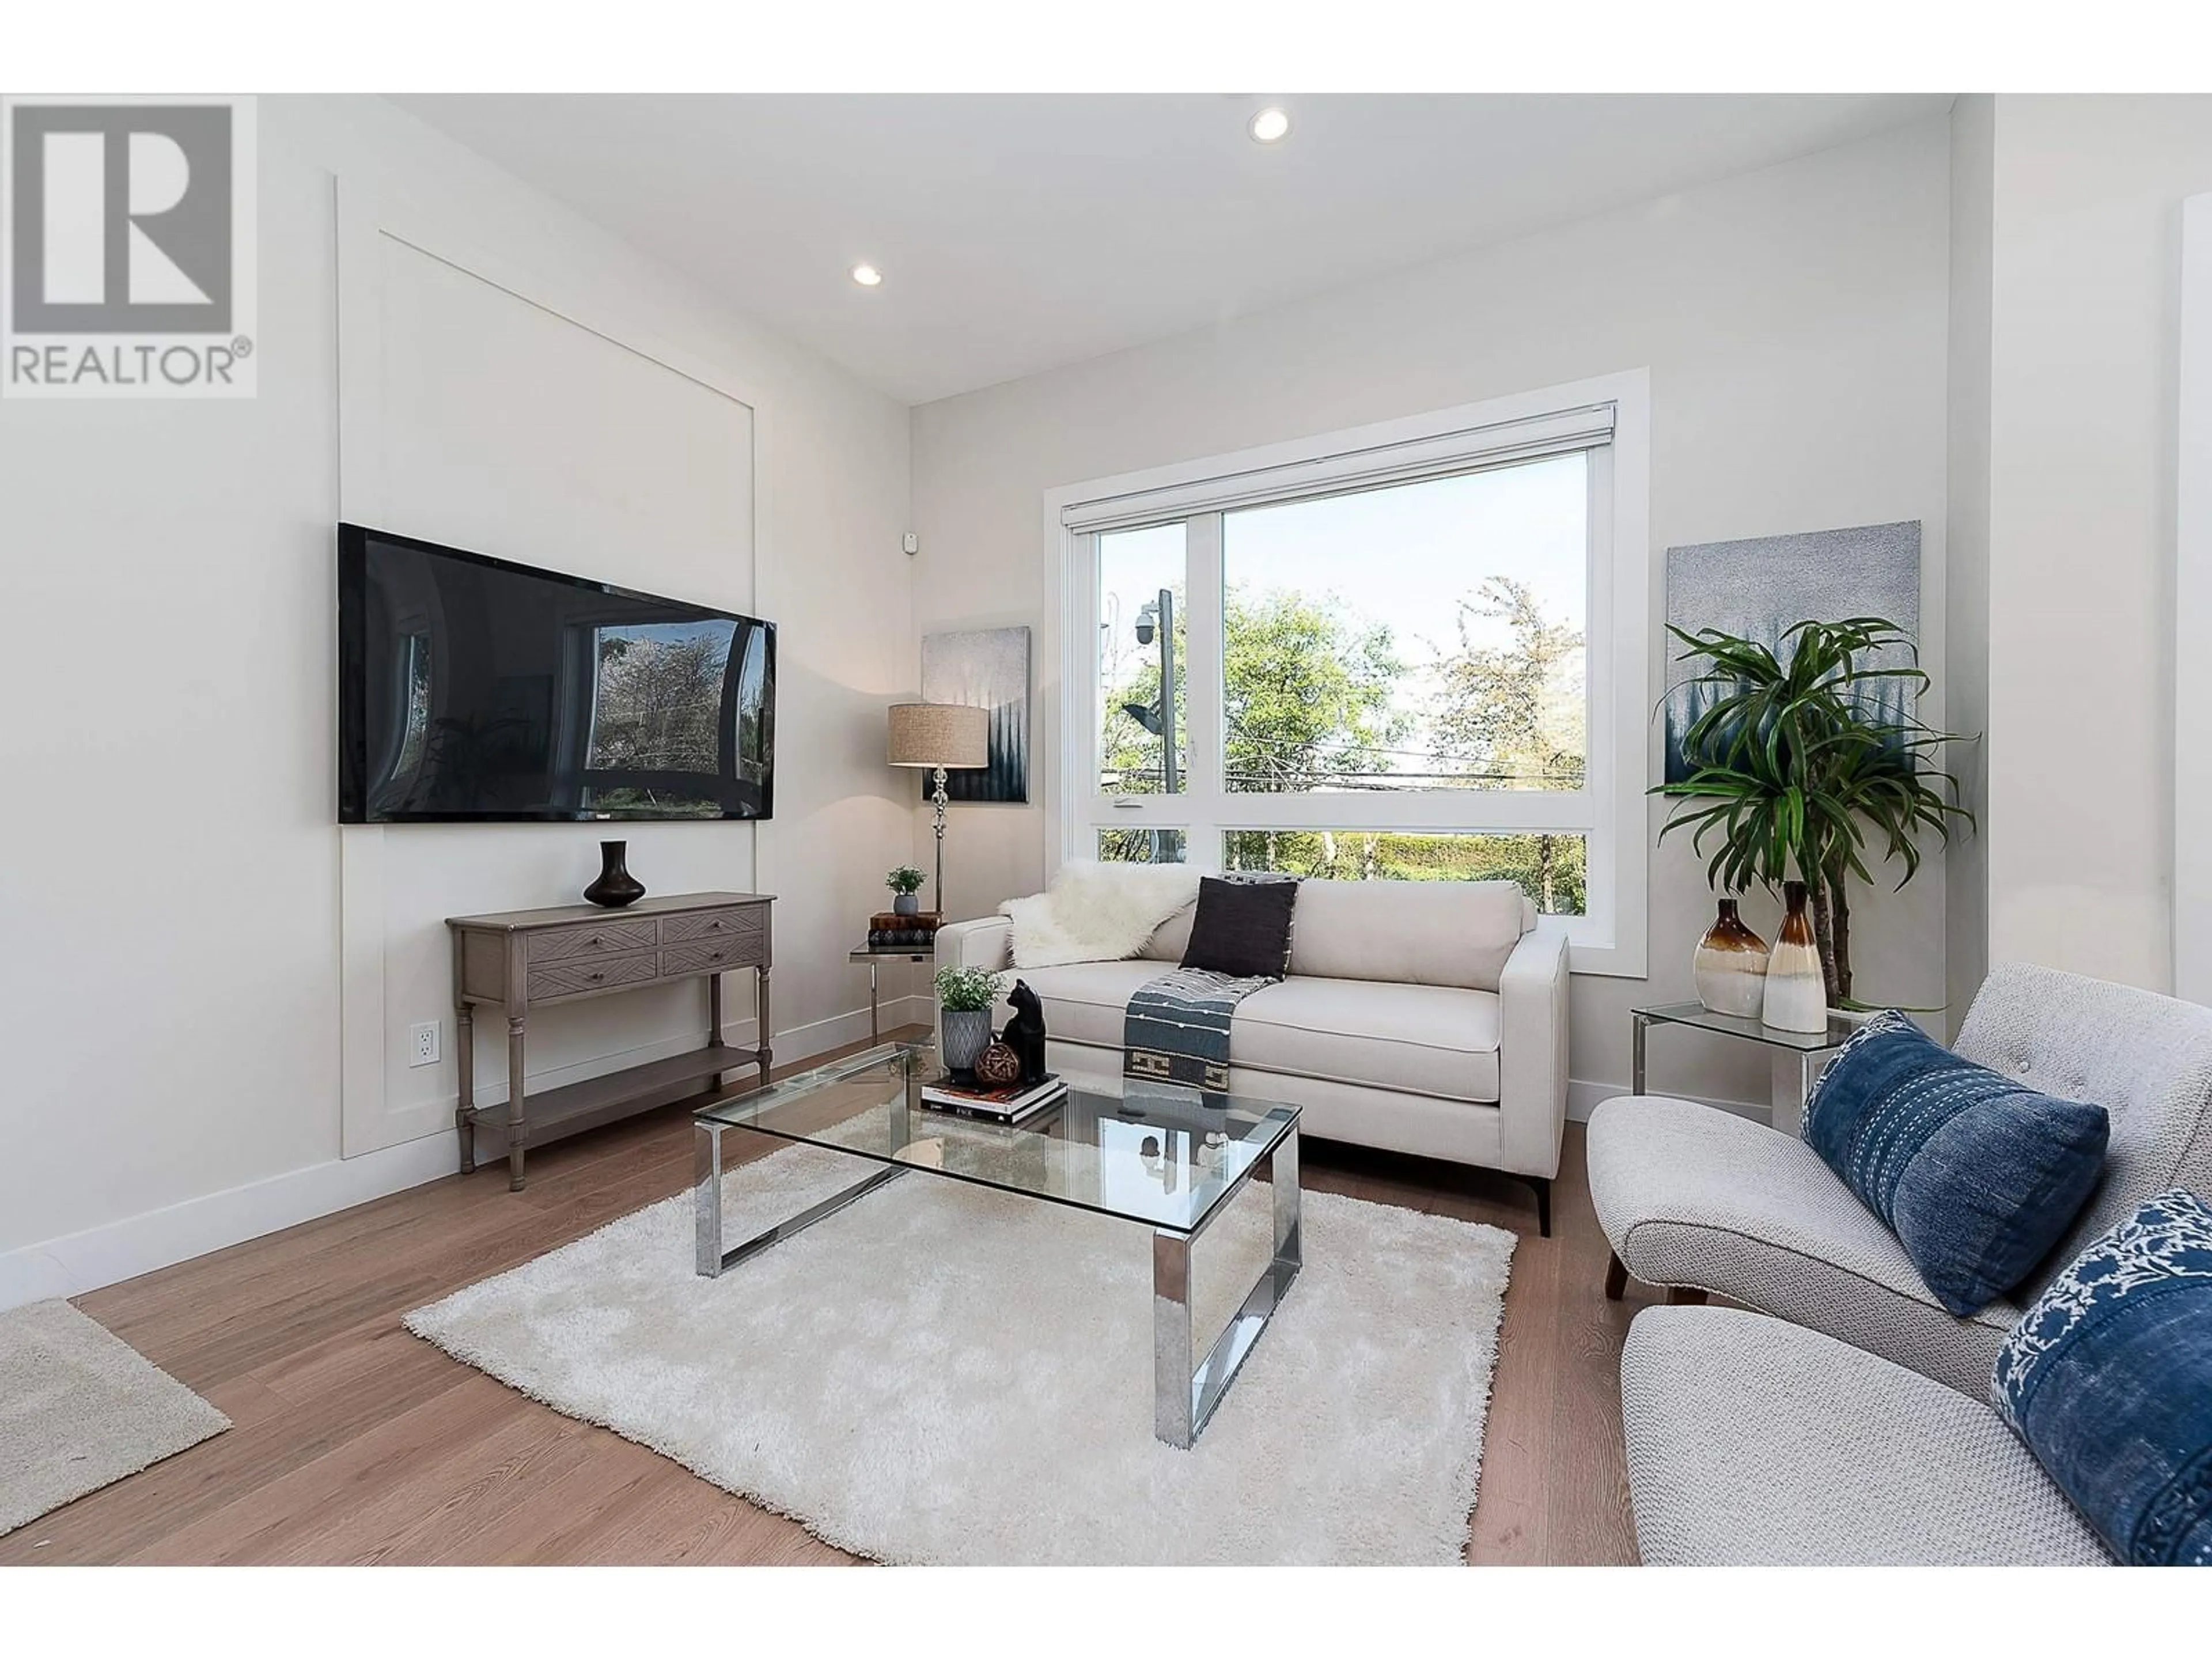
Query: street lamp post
pixel 1158 614
pixel 1166 603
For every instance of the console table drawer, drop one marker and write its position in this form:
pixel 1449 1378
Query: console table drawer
pixel 708 955
pixel 595 939
pixel 740 924
pixel 568 979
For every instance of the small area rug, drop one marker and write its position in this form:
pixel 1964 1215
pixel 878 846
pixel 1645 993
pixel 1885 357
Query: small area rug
pixel 79 1409
pixel 943 1374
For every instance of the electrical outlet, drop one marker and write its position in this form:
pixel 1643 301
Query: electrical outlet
pixel 423 1043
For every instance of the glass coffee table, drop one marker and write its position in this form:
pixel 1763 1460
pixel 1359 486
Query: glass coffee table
pixel 1159 1155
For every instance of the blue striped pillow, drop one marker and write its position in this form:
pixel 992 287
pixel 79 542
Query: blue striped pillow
pixel 2108 1378
pixel 1978 1176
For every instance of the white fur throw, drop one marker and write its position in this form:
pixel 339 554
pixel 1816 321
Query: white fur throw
pixel 1097 912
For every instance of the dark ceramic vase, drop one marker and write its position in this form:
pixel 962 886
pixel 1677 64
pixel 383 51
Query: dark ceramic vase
pixel 615 886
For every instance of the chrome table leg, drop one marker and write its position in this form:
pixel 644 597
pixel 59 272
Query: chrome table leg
pixel 1171 1391
pixel 711 1259
pixel 1183 1399
pixel 707 1196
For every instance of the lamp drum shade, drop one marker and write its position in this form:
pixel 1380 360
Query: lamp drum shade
pixel 939 734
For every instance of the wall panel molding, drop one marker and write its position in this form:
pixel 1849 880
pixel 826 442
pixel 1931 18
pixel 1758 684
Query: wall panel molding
pixel 372 228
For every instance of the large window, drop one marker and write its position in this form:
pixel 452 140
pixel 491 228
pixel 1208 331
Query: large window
pixel 1403 654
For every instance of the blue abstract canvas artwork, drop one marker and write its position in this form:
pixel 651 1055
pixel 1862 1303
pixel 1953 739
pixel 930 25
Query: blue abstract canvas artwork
pixel 1760 587
pixel 986 668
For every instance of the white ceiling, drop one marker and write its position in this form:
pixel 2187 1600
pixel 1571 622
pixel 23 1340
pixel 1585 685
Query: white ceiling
pixel 1018 233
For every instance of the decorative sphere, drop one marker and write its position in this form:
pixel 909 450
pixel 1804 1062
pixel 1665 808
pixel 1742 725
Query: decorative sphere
pixel 998 1065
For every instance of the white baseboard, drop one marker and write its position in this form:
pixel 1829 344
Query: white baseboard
pixel 83 1261
pixel 78 1262
pixel 1582 1099
pixel 842 1030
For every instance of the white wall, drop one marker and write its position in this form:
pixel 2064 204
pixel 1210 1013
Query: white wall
pixel 2085 288
pixel 1794 322
pixel 169 1000
pixel 482 414
pixel 1966 639
pixel 2192 613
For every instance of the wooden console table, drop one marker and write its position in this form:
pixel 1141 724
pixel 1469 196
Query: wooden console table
pixel 521 959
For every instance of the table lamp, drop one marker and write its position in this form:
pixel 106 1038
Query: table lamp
pixel 938 735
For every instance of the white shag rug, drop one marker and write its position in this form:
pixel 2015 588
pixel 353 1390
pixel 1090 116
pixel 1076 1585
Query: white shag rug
pixel 943 1374
pixel 81 1409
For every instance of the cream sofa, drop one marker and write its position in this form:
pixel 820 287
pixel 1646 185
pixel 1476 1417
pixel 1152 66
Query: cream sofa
pixel 1428 1017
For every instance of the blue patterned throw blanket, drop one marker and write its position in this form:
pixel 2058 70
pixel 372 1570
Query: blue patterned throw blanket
pixel 1176 1029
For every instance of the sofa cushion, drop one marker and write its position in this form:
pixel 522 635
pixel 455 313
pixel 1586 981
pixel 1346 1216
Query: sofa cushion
pixel 2108 1378
pixel 1978 1175
pixel 1416 1039
pixel 1171 938
pixel 1083 1001
pixel 1242 928
pixel 1750 1441
pixel 1418 933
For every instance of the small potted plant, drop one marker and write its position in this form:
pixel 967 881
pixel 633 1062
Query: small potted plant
pixel 905 883
pixel 964 996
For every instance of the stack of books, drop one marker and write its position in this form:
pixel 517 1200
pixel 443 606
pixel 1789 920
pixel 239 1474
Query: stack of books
pixel 890 931
pixel 1014 1103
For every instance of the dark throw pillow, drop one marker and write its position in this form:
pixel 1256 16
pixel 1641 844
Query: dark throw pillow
pixel 2108 1378
pixel 1242 927
pixel 1979 1177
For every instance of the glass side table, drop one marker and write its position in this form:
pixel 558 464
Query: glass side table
pixel 875 956
pixel 1798 1057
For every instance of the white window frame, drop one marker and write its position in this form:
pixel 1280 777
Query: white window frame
pixel 1611 811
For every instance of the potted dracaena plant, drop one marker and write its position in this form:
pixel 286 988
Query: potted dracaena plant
pixel 1805 760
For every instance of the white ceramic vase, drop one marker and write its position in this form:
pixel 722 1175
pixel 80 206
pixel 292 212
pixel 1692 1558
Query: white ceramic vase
pixel 1796 992
pixel 1730 966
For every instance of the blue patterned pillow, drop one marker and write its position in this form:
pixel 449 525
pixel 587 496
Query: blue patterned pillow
pixel 2108 1378
pixel 1979 1177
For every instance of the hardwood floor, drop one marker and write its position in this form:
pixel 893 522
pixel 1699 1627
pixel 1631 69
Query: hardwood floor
pixel 354 1442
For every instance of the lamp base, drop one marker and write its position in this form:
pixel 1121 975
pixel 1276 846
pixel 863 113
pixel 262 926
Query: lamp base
pixel 938 797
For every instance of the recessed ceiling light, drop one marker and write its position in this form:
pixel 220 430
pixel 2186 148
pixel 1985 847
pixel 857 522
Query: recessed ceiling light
pixel 1270 126
pixel 867 275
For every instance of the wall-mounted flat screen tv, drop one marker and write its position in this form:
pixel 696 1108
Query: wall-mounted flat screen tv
pixel 472 689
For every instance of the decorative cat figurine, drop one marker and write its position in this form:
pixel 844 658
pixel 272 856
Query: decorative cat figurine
pixel 1025 1032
